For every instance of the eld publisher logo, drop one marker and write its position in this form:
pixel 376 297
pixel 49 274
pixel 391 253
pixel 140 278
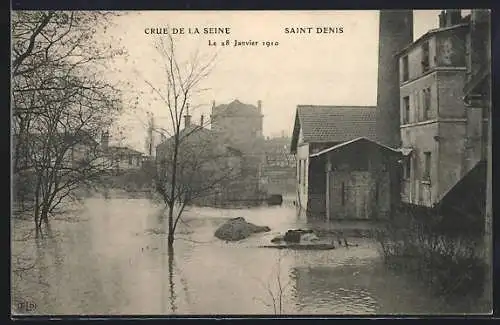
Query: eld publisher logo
pixel 25 306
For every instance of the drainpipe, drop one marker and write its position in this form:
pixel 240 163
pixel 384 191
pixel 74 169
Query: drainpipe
pixel 328 170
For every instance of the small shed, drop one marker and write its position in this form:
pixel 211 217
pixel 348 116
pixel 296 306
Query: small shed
pixel 362 178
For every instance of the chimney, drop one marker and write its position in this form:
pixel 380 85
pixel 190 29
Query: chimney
pixel 395 32
pixel 105 140
pixel 453 17
pixel 187 117
pixel 201 120
pixel 480 44
pixel 259 106
pixel 442 19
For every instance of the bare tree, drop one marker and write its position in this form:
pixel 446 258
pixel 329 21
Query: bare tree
pixel 61 102
pixel 276 288
pixel 198 167
pixel 192 162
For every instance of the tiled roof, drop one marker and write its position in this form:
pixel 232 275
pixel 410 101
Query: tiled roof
pixel 334 123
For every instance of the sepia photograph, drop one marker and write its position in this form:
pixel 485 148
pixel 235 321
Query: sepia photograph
pixel 251 163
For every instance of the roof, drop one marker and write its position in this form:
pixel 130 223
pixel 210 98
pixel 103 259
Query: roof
pixel 352 142
pixel 427 35
pixel 237 108
pixel 333 123
pixel 196 132
pixel 470 190
pixel 123 151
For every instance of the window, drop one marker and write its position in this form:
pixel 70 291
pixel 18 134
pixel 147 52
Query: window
pixel 377 194
pixel 406 110
pixel 342 191
pixel 406 73
pixel 407 169
pixel 427 103
pixel 299 171
pixel 304 174
pixel 427 166
pixel 425 57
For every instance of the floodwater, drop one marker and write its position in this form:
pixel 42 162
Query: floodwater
pixel 109 257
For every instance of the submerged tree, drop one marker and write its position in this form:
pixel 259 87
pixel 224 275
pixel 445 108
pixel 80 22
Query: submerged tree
pixel 61 103
pixel 193 162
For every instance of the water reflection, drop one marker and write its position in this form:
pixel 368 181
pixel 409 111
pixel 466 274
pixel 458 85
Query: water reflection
pixel 331 289
pixel 112 258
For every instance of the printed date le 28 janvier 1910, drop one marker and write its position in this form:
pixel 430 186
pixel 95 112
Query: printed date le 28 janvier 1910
pixel 237 43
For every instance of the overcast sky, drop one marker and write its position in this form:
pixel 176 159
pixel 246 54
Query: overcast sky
pixel 330 69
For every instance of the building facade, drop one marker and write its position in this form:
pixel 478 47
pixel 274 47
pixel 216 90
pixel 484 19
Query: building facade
pixel 240 125
pixel 441 137
pixel 358 179
pixel 278 168
pixel 317 128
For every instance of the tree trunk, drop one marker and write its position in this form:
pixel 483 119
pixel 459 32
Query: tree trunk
pixel 170 238
pixel 173 185
pixel 173 296
pixel 37 208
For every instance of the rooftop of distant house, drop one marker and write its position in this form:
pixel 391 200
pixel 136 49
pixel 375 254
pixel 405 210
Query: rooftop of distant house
pixel 197 132
pixel 118 150
pixel 237 108
pixel 321 123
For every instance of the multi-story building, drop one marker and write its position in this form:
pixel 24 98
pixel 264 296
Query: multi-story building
pixel 240 125
pixel 443 139
pixel 208 169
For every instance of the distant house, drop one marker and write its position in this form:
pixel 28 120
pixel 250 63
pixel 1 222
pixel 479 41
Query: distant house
pixel 318 128
pixel 124 158
pixel 240 125
pixel 278 167
pixel 208 168
pixel 119 159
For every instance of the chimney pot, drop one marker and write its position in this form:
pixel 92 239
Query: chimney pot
pixel 453 17
pixel 259 106
pixel 442 19
pixel 201 120
pixel 187 121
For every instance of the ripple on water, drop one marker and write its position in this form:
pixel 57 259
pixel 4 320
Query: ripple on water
pixel 115 261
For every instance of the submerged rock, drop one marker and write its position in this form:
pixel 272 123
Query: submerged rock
pixel 294 236
pixel 278 239
pixel 309 237
pixel 238 229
